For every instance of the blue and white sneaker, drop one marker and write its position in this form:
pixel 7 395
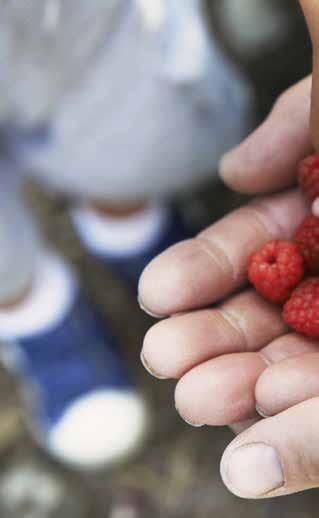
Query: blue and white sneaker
pixel 128 246
pixel 85 410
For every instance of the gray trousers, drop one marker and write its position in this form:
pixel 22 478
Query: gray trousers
pixel 19 239
pixel 130 123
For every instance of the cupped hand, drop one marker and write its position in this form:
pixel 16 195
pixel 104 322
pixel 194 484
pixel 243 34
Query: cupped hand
pixel 235 361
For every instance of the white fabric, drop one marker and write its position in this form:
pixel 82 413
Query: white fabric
pixel 53 292
pixel 153 114
pixel 188 48
pixel 107 236
pixel 153 13
pixel 45 47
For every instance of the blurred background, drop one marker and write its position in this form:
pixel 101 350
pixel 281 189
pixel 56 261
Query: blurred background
pixel 177 472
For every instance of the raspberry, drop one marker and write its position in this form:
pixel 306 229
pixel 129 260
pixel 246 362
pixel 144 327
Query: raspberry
pixel 307 238
pixel 308 175
pixel 276 270
pixel 301 311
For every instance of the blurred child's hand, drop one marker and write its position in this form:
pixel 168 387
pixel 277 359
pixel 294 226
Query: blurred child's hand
pixel 236 361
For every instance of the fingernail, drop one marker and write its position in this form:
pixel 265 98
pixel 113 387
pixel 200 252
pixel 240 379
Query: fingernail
pixel 253 470
pixel 261 412
pixel 147 311
pixel 194 425
pixel 187 421
pixel 149 369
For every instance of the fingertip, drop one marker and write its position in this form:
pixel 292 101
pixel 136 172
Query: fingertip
pixel 261 412
pixel 184 407
pixel 252 470
pixel 152 289
pixel 146 310
pixel 315 208
pixel 261 163
pixel 147 366
pixel 237 172
pixel 229 167
pixel 158 352
pixel 275 457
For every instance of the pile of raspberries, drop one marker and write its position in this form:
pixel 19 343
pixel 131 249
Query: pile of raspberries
pixel 287 272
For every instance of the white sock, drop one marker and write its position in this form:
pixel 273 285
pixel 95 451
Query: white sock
pixel 49 300
pixel 120 237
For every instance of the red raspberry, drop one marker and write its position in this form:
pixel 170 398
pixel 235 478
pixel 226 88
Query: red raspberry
pixel 308 176
pixel 276 270
pixel 307 238
pixel 301 311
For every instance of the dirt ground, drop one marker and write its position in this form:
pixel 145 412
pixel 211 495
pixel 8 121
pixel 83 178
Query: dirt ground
pixel 177 472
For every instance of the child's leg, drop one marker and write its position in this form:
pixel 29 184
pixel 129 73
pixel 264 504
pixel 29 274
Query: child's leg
pixel 18 240
pixel 85 410
pixel 142 124
pixel 27 267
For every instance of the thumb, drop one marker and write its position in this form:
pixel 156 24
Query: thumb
pixel 277 456
pixel 311 11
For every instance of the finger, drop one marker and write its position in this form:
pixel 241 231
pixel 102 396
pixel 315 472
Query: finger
pixel 276 456
pixel 244 323
pixel 315 207
pixel 240 427
pixel 288 383
pixel 198 272
pixel 266 161
pixel 220 391
pixel 311 10
pixel 288 346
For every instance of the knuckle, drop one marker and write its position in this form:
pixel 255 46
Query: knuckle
pixel 217 254
pixel 235 326
pixel 262 217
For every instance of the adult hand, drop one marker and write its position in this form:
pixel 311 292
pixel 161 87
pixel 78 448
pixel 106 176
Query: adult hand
pixel 237 360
